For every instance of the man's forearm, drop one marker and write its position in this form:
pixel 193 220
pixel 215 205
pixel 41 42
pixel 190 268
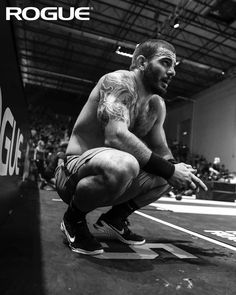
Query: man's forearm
pixel 128 142
pixel 163 152
pixel 148 160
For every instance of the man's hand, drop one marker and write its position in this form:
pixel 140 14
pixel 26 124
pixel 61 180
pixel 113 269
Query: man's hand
pixel 184 178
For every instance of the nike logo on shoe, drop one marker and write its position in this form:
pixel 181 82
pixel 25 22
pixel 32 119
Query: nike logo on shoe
pixel 121 232
pixel 71 239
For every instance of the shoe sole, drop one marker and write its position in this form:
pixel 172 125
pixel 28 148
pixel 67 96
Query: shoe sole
pixel 112 233
pixel 78 250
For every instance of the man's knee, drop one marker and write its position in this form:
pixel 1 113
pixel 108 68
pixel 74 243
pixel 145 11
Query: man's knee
pixel 152 195
pixel 125 165
pixel 121 170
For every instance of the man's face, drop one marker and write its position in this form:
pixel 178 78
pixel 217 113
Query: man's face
pixel 159 71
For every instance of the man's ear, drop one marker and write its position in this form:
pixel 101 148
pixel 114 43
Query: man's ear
pixel 141 62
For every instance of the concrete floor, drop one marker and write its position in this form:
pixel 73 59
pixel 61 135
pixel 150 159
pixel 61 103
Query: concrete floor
pixel 176 259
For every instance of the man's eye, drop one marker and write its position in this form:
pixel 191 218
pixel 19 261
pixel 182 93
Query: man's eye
pixel 165 63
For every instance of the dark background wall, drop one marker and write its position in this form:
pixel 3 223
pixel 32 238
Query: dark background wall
pixel 13 121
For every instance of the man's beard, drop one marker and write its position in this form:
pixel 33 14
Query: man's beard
pixel 151 80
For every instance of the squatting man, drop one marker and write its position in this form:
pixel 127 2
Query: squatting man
pixel 117 154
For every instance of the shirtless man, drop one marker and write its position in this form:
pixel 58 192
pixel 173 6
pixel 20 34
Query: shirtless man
pixel 117 154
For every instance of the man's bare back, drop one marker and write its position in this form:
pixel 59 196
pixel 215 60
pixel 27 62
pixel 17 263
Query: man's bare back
pixel 88 131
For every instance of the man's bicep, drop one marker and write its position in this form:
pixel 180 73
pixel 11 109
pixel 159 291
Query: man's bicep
pixel 156 141
pixel 157 137
pixel 116 97
pixel 110 111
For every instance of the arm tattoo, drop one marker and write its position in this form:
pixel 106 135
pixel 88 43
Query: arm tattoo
pixel 117 99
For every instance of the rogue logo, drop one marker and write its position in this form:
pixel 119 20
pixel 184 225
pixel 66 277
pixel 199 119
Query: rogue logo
pixel 47 13
pixel 11 140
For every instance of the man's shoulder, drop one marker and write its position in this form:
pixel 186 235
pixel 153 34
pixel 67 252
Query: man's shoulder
pixel 121 73
pixel 159 105
pixel 158 100
pixel 119 76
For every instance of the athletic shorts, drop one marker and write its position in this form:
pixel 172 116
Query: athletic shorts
pixel 67 176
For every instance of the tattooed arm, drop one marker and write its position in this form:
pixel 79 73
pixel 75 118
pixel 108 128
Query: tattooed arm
pixel 117 100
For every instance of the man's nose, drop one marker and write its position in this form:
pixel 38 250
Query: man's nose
pixel 171 72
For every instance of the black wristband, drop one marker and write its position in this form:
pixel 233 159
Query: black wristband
pixel 173 161
pixel 159 166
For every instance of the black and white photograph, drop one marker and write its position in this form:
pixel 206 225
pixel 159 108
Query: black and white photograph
pixel 118 147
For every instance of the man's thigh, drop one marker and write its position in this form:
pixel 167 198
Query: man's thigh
pixel 149 181
pixel 92 162
pixel 145 189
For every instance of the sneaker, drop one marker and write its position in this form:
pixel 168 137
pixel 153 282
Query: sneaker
pixel 80 239
pixel 118 229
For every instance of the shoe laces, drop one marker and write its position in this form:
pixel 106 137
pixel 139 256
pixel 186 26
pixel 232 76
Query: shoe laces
pixel 124 223
pixel 127 222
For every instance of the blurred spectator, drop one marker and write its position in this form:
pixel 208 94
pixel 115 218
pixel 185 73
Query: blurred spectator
pixel 180 151
pixel 205 170
pixel 33 133
pixel 216 164
pixel 39 157
pixel 49 135
pixel 53 159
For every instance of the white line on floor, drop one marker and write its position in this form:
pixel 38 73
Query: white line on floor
pixel 197 201
pixel 57 200
pixel 187 231
pixel 194 209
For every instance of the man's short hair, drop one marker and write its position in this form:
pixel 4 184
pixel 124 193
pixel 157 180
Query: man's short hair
pixel 149 48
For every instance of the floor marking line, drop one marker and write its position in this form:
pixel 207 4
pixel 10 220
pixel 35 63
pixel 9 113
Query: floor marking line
pixel 187 231
pixel 197 201
pixel 194 209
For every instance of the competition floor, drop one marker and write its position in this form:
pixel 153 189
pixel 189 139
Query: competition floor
pixel 190 249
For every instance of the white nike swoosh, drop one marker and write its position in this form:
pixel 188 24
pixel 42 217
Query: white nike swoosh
pixel 119 231
pixel 72 239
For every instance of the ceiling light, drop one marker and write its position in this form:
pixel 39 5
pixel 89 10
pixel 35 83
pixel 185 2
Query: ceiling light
pixel 176 25
pixel 121 51
pixel 176 22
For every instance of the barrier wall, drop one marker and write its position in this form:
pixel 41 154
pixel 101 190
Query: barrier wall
pixel 218 191
pixel 13 120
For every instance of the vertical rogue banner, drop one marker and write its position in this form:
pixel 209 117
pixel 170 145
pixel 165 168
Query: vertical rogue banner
pixel 13 119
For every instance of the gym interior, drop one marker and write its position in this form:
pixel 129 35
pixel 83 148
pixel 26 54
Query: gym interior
pixel 52 55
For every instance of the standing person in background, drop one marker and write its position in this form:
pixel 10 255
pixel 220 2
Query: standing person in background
pixel 54 158
pixel 39 157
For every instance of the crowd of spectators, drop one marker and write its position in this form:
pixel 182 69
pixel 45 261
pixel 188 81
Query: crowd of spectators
pixel 48 140
pixel 207 171
pixel 214 171
pixel 210 170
